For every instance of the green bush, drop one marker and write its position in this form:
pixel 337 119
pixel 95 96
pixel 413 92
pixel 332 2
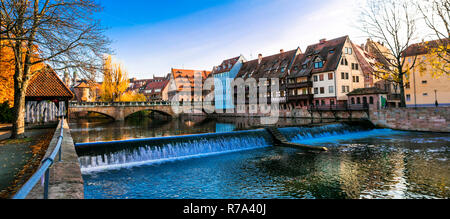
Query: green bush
pixel 6 113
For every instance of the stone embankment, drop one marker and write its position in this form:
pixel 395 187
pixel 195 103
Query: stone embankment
pixel 66 181
pixel 413 119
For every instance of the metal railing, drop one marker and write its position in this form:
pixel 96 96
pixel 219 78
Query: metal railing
pixel 96 104
pixel 44 170
pixel 339 107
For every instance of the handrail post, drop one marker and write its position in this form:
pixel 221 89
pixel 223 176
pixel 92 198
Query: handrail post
pixel 47 178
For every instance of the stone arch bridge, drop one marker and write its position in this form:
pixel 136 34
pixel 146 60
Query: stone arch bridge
pixel 121 110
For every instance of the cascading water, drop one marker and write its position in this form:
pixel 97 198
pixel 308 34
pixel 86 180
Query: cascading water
pixel 110 155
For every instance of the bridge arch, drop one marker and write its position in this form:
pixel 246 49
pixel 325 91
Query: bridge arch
pixel 94 111
pixel 120 111
pixel 145 110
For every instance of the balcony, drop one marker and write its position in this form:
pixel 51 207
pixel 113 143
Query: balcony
pixel 394 97
pixel 301 97
pixel 300 85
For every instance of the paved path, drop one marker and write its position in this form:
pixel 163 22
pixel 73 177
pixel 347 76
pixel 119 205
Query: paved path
pixel 14 156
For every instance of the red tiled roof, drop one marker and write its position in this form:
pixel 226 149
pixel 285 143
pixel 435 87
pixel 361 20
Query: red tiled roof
pixel 421 48
pixel 188 76
pixel 154 85
pixel 46 83
pixel 82 85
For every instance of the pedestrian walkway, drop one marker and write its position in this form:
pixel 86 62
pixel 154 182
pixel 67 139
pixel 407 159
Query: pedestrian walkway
pixel 18 158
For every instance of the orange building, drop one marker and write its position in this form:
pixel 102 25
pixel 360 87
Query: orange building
pixel 187 85
pixel 422 88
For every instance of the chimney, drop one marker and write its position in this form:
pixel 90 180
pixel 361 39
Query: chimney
pixel 260 56
pixel 281 50
pixel 322 41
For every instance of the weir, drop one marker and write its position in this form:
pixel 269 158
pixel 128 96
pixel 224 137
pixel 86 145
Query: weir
pixel 118 154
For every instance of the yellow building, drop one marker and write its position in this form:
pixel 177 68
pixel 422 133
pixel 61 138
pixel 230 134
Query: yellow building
pixel 422 89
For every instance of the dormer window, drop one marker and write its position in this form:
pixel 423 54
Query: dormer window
pixel 304 66
pixel 318 63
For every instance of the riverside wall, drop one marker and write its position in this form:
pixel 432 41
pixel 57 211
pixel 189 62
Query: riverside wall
pixel 424 119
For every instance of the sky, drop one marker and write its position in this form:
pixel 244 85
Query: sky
pixel 149 37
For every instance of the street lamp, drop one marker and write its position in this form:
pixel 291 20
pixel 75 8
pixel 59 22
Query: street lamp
pixel 435 96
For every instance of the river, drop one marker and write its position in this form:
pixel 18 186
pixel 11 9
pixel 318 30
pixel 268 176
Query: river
pixel 362 163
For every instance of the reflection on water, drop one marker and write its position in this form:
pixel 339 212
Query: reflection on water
pixel 95 130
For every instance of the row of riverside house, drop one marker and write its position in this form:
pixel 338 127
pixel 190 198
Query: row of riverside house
pixel 322 75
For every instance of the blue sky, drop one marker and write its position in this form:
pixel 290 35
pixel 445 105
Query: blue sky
pixel 150 37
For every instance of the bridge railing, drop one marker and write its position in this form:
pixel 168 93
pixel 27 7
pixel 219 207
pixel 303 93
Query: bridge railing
pixel 339 107
pixel 44 170
pixel 118 104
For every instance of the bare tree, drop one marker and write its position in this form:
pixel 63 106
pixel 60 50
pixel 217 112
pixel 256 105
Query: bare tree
pixel 393 23
pixel 436 16
pixel 60 33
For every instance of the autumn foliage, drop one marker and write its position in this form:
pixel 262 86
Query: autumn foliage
pixel 115 84
pixel 7 70
pixel 6 74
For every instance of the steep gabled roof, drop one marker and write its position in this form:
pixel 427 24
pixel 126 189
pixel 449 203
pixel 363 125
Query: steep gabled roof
pixel 226 65
pixel 274 66
pixel 330 51
pixel 46 83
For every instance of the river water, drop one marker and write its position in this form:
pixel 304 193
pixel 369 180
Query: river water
pixel 362 163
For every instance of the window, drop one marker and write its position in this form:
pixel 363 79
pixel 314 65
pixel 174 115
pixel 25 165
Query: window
pixel 354 79
pixel 408 97
pixel 323 102
pixel 408 85
pixel 425 94
pixel 330 76
pixel 322 90
pixel 355 66
pixel 424 82
pixel 348 50
pixel 316 79
pixel 371 101
pixel 317 102
pixel 346 76
pixel 345 89
pixel 321 77
pixel 342 75
pixel 318 64
pixel 331 102
pixel 353 100
pixel 331 89
pixel 344 61
pixel 316 90
pixel 358 100
pixel 304 91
